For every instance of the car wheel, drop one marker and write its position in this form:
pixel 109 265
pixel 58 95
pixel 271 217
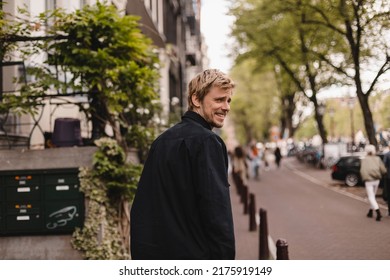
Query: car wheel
pixel 351 180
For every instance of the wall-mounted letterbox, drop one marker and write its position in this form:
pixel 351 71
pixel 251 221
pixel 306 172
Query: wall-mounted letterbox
pixel 23 217
pixel 40 201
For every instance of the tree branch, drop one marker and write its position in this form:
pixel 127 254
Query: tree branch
pixel 385 67
pixel 326 23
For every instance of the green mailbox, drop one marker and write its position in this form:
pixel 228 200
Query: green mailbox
pixel 22 217
pixel 40 201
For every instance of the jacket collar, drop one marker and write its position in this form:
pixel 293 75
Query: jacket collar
pixel 197 118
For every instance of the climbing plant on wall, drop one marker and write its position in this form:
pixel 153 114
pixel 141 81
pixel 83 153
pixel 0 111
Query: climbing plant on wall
pixel 108 187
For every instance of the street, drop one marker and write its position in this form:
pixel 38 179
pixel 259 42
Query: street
pixel 319 218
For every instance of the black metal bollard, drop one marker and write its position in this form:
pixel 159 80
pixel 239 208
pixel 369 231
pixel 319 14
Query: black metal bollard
pixel 245 198
pixel 282 250
pixel 252 213
pixel 263 236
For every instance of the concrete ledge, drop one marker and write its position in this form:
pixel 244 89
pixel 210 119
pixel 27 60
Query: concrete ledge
pixel 47 247
pixel 69 157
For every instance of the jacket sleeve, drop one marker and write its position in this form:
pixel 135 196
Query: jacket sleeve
pixel 214 199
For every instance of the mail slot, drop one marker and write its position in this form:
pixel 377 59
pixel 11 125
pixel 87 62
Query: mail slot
pixel 23 223
pixel 61 179
pixel 62 191
pixel 23 193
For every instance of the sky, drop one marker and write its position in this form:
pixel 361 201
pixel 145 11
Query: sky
pixel 215 26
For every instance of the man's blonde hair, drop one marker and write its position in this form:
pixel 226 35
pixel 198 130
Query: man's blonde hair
pixel 203 82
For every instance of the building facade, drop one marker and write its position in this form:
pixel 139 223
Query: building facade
pixel 173 26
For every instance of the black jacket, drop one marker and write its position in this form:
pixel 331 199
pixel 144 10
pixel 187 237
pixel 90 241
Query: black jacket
pixel 182 206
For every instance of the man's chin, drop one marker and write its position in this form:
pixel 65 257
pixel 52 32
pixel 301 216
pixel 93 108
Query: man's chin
pixel 217 125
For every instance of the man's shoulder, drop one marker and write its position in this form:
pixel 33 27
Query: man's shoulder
pixel 186 129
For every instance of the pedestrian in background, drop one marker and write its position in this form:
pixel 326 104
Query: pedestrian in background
pixel 278 156
pixel 372 170
pixel 255 159
pixel 182 206
pixel 265 157
pixel 386 189
pixel 240 166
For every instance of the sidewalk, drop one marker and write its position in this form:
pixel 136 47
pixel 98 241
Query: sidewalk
pixel 247 243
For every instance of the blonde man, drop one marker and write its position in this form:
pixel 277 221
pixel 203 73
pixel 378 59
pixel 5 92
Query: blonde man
pixel 182 206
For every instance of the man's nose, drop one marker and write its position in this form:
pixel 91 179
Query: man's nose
pixel 226 106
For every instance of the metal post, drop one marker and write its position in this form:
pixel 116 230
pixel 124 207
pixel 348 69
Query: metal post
pixel 282 250
pixel 252 213
pixel 263 236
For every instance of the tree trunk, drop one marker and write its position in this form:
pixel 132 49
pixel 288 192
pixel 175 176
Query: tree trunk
pixel 368 119
pixel 320 122
pixel 98 116
pixel 289 114
pixel 124 217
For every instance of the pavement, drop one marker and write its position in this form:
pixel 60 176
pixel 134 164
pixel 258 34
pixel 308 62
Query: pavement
pixel 245 239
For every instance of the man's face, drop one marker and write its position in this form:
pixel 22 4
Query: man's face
pixel 215 106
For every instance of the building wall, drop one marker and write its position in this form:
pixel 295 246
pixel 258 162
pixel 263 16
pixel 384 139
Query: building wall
pixel 174 27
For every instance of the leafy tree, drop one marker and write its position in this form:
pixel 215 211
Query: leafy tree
pixel 282 40
pixel 307 129
pixel 290 97
pixel 105 55
pixel 255 102
pixel 364 26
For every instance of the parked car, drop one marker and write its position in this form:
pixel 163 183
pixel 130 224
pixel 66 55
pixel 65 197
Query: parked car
pixel 347 169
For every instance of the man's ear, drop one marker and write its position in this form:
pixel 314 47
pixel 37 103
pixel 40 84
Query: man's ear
pixel 195 101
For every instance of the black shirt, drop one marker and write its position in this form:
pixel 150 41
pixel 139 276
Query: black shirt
pixel 182 206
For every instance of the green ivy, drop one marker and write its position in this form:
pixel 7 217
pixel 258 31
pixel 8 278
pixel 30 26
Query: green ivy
pixel 108 187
